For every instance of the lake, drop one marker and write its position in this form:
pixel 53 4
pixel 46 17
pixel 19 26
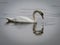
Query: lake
pixel 23 34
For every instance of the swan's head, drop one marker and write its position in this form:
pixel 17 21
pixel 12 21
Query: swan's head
pixel 40 12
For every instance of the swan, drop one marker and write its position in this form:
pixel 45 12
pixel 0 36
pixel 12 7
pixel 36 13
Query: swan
pixel 23 19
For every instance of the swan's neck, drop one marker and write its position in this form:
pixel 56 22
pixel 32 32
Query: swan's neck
pixel 36 11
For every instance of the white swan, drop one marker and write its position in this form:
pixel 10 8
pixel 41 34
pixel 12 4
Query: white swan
pixel 23 19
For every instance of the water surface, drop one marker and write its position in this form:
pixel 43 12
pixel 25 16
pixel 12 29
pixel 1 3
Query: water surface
pixel 22 34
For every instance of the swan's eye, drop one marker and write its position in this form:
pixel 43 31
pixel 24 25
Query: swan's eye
pixel 42 14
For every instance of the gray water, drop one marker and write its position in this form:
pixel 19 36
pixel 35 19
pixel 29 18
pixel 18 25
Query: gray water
pixel 22 34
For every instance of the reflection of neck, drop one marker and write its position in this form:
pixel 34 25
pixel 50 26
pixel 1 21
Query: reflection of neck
pixel 36 11
pixel 37 32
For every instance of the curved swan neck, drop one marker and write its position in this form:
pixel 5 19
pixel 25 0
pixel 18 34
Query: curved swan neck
pixel 36 11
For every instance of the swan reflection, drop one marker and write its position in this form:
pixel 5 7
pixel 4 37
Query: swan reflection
pixel 38 32
pixel 35 31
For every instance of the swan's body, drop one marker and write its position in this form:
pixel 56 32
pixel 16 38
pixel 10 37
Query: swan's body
pixel 22 19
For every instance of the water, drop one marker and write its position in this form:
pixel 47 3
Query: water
pixel 23 34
